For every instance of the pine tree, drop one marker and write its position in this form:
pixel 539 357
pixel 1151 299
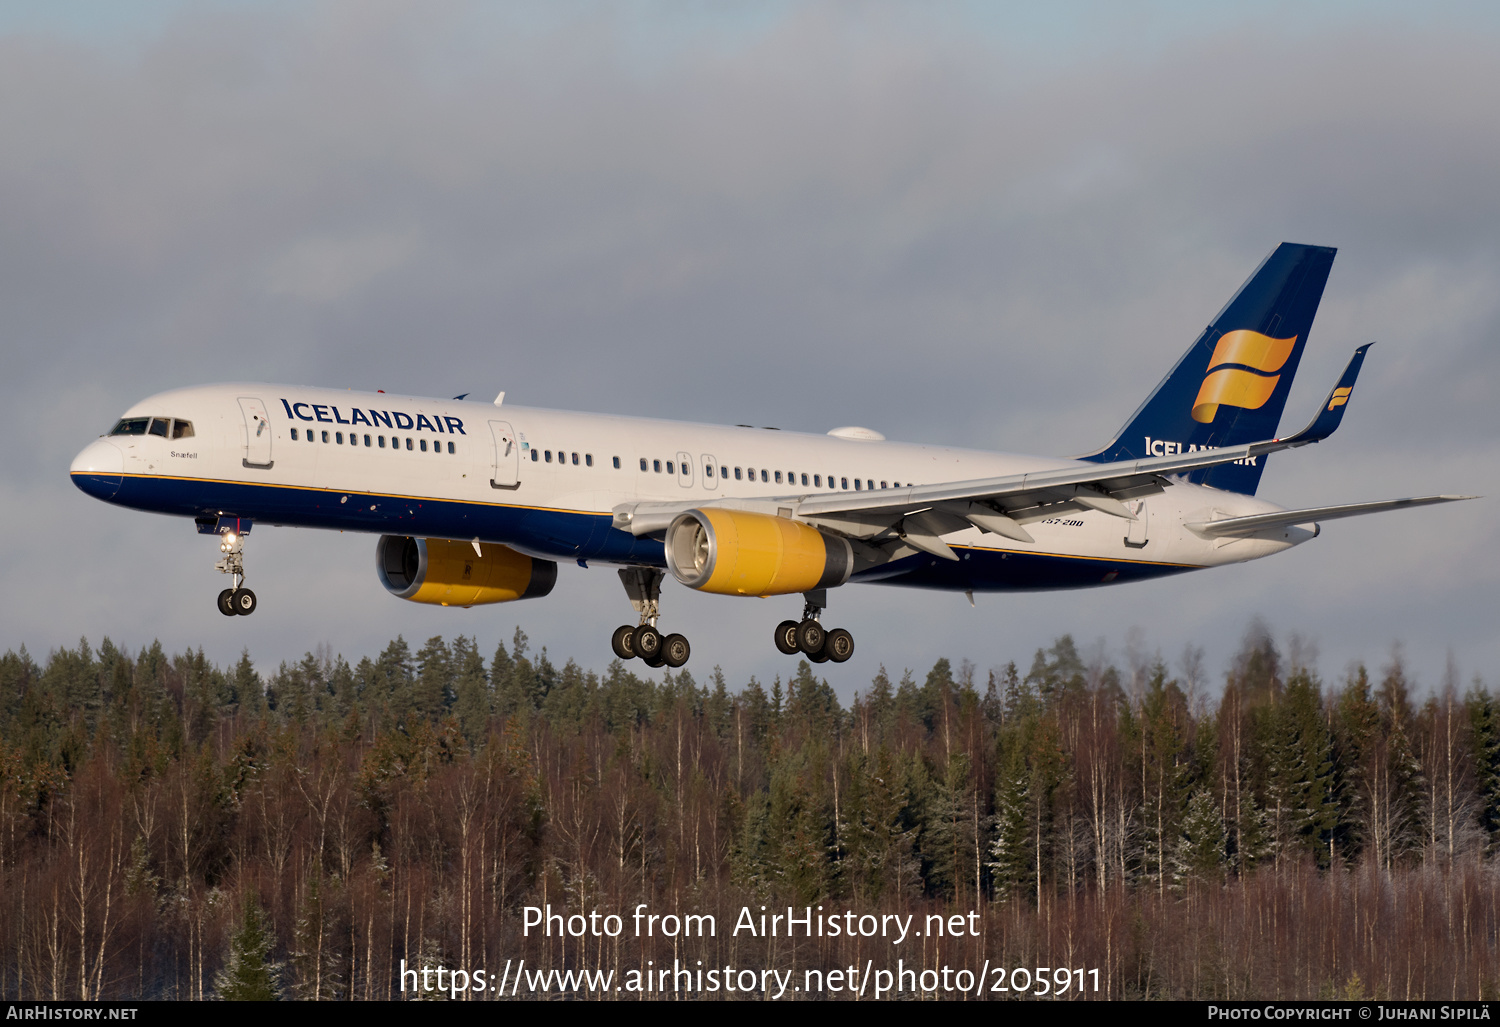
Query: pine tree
pixel 1484 744
pixel 472 689
pixel 432 692
pixel 249 975
pixel 1010 852
pixel 1300 772
pixel 1200 849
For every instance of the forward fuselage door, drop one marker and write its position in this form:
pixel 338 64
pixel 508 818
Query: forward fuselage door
pixel 684 470
pixel 710 472
pixel 257 433
pixel 507 464
pixel 1136 535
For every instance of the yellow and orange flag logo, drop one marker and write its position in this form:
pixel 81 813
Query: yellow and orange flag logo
pixel 1231 386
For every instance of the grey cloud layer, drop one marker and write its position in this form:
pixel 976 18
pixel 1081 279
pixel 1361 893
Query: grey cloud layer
pixel 815 220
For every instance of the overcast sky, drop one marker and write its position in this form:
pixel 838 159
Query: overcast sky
pixel 946 222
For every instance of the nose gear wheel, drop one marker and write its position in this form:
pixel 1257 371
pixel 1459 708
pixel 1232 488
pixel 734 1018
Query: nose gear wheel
pixel 238 600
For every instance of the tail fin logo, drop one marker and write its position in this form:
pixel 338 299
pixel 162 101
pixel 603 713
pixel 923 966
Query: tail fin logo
pixel 1339 397
pixel 1249 385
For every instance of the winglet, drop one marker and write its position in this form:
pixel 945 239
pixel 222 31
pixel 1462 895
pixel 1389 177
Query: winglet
pixel 1332 411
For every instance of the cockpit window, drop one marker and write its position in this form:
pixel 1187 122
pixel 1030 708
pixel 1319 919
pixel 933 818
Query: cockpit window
pixel 160 426
pixel 131 426
pixel 182 429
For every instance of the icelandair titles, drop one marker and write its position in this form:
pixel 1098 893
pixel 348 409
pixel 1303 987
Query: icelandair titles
pixel 1161 447
pixel 389 418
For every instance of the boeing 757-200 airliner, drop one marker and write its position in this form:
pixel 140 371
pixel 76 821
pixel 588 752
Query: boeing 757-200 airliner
pixel 477 502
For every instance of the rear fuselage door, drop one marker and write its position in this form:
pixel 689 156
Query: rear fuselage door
pixel 710 472
pixel 507 464
pixel 1136 535
pixel 257 433
pixel 684 470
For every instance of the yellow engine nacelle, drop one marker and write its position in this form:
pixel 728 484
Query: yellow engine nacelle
pixel 444 573
pixel 749 554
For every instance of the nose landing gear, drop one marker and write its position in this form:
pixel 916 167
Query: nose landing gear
pixel 643 586
pixel 237 600
pixel 808 635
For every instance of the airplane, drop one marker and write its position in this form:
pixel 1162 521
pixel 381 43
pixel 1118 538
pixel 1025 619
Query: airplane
pixel 476 503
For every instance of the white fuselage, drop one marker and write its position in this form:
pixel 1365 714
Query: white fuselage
pixel 546 482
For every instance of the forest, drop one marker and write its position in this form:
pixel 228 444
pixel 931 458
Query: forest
pixel 172 829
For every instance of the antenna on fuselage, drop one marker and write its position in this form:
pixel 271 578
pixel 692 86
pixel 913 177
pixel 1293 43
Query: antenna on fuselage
pixel 500 399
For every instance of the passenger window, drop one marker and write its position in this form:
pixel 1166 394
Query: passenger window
pixel 451 449
pixel 184 430
pixel 763 475
pixel 723 472
pixel 547 456
pixel 844 484
pixel 617 463
pixel 380 439
pixel 656 466
pixel 535 456
pixel 804 479
pixel 708 469
pixel 643 463
pixel 882 484
pixel 669 468
pixel 778 477
pixel 294 434
pixel 588 459
pixel 575 459
pixel 408 445
pixel 338 438
pixel 131 426
pixel 818 480
pixel 325 436
pixel 869 484
pixel 736 474
pixel 750 473
pixel 856 484
pixel 160 426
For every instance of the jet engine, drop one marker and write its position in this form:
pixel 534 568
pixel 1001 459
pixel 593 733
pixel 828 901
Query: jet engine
pixel 445 573
pixel 731 552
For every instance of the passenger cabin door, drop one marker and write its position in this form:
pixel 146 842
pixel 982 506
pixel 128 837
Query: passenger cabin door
pixel 710 472
pixel 257 433
pixel 507 463
pixel 684 470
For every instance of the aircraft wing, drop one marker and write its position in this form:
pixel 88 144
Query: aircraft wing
pixel 1234 527
pixel 919 514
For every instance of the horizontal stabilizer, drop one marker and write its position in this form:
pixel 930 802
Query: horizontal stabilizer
pixel 1232 527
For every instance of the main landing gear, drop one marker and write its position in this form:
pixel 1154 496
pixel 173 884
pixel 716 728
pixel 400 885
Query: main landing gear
pixel 237 600
pixel 643 586
pixel 808 636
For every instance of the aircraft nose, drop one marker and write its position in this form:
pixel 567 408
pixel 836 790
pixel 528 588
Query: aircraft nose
pixel 99 469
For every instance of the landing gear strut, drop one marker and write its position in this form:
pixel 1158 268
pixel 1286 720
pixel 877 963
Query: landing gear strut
pixel 808 636
pixel 237 600
pixel 643 586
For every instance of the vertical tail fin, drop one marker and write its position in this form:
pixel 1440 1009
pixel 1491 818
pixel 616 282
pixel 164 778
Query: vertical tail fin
pixel 1231 386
